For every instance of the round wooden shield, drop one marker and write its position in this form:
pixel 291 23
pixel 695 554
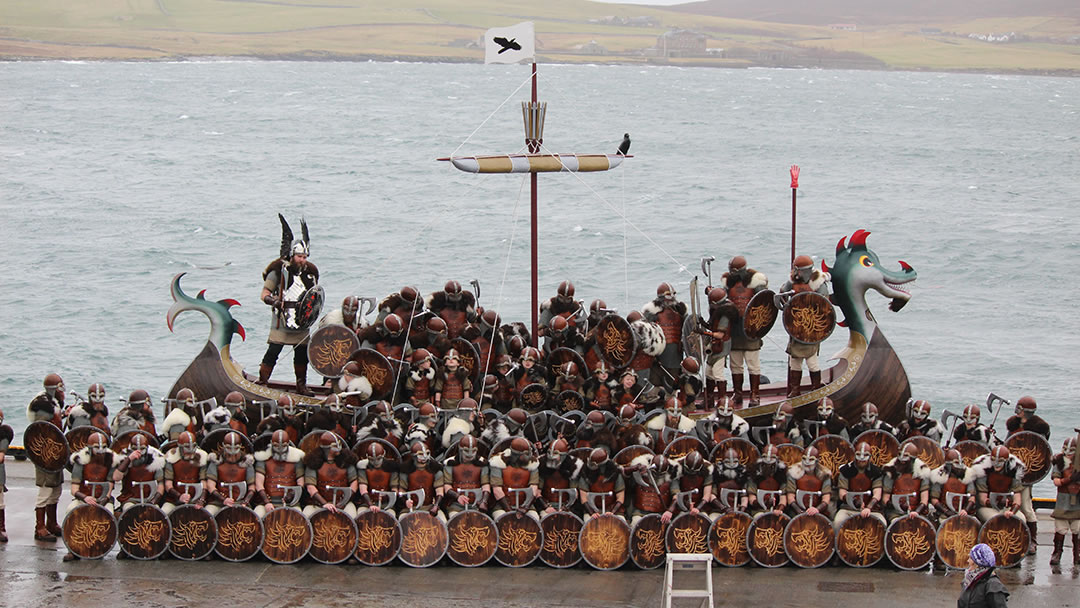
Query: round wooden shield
pixel 194 533
pixel 89 531
pixel 308 307
pixel 1033 450
pixel 727 539
pixel 884 446
pixel 1008 537
pixel 240 533
pixel 930 451
pixel 809 540
pixel 377 370
pixel 860 541
pixel 765 540
pixel 683 446
pixel 287 536
pixel 688 533
pixel 647 549
pixel 424 539
pixel 533 397
pixel 469 358
pixel 361 447
pixel 78 437
pixel 329 348
pixel 123 440
pixel 561 355
pixel 760 314
pixel 310 441
pixel 504 445
pixel 561 532
pixel 833 452
pixel 378 538
pixel 569 401
pixel 694 343
pixel 605 542
pixel 334 536
pixel 748 452
pixel 615 341
pixel 212 440
pixel 969 451
pixel 627 454
pixel 46 447
pixel 909 542
pixel 520 540
pixel 955 538
pixel 143 532
pixel 809 317
pixel 789 453
pixel 473 538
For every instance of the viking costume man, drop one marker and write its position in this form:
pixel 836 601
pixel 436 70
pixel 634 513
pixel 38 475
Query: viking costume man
pixel 952 487
pixel 374 473
pixel 456 307
pixel 651 475
pixel 628 432
pixel 919 423
pixel 784 429
pixel 1066 476
pixel 725 423
pixel 562 305
pixel 183 417
pixel 405 304
pixel 485 337
pixel 423 429
pixel 972 429
pixel 723 316
pixel 804 277
pixel 348 315
pixel 601 475
pixel 329 466
pixel 809 486
pixel 466 470
pixel 906 488
pixel 420 383
pixel 729 476
pixel 742 283
pixel 502 397
pixel 558 471
pixel 665 427
pixel 140 463
pixel 860 484
pixel 230 466
pixel 381 424
pixel 452 383
pixel 93 412
pixel 1025 419
pixel 997 484
pixel 693 473
pixel 514 469
pixel 47 406
pixel 184 464
pixel 92 477
pixel 827 422
pixel 285 281
pixel 668 313
pixel 279 466
pixel 868 421
pixel 766 482
pixel 597 389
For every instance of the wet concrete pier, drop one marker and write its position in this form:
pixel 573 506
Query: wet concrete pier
pixel 32 574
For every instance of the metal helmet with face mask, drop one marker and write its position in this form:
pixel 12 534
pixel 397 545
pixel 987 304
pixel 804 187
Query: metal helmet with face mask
pixel 467 408
pixel 660 465
pixel 863 454
pixel 565 292
pixel 376 454
pixel 770 455
pixel 286 405
pixel 999 457
pixel 557 452
pixel 330 444
pixel 138 443
pixel 725 410
pixel 515 419
pixel 436 328
pixel 234 401
pixel 908 453
pixel 350 306
pixel 186 444
pixel 382 412
pixel 731 459
pixel 972 413
pixel 99 445
pixel 427 415
pixel 138 400
pixel 96 393
pixel 53 384
pixel 279 445
pixel 810 459
pixel 420 453
pixel 468 447
pixel 1026 406
pixel 802 268
pixel 717 296
pixel 673 407
pixel 333 403
pixel 452 289
pixel 598 458
pixel 825 408
pixel 594 421
pixel 519 450
pixel 1068 449
pixel 693 463
pixel 869 414
pixel 920 410
pixel 393 324
pixel 185 399
pixel 627 414
pixel 665 292
pixel 782 414
pixel 954 463
pixel 232 446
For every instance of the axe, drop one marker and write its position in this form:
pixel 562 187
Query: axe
pixel 367 306
pixel 476 288
pixel 945 416
pixel 706 267
pixel 990 399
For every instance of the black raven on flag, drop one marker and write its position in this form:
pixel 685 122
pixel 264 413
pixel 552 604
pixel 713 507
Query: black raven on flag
pixel 507 45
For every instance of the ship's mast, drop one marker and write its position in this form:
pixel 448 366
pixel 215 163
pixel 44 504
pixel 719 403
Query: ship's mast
pixel 534 148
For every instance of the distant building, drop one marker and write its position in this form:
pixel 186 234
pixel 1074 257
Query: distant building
pixel 593 47
pixel 930 31
pixel 847 27
pixel 680 43
pixel 643 21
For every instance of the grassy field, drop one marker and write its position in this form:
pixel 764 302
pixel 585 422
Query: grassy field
pixel 444 29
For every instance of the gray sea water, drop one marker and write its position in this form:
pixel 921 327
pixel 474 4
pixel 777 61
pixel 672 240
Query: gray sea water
pixel 116 176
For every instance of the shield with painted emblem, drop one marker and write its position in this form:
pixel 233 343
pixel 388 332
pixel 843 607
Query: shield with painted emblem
pixel 194 533
pixel 122 441
pixel 682 446
pixel 240 533
pixel 89 531
pixel 930 451
pixel 561 355
pixel 310 441
pixel 909 542
pixel 287 536
pixel 748 452
pixel 629 453
pixel 694 343
pixel 789 453
pixel 688 533
pixel 473 538
pixel 561 531
pixel 765 540
pixel 424 539
pixel 616 341
pixel 144 532
pixel 378 538
pixel 1033 450
pixel 760 315
pixel 570 401
pixel 884 446
pixel 955 538
pixel 469 358
pixel 727 539
pixel 520 540
pixel 809 540
pixel 605 542
pixel 212 440
pixel 77 437
pixel 970 450
pixel 334 536
pixel 833 452
pixel 378 371
pixel 809 317
pixel 1008 537
pixel 647 548
pixel 46 446
pixel 307 310
pixel 860 541
pixel 329 348
pixel 533 397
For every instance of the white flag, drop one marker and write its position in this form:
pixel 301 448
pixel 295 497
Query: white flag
pixel 510 44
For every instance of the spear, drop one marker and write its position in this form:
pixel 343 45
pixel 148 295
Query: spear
pixel 794 190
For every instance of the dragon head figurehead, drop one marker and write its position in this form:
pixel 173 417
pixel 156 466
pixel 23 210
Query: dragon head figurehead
pixel 858 269
pixel 222 323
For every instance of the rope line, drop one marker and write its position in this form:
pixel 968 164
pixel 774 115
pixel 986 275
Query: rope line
pixel 495 111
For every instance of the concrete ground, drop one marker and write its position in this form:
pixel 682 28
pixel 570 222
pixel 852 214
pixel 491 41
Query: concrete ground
pixel 32 574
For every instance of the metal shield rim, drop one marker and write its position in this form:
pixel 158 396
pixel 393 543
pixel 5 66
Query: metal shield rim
pixel 932 553
pixel 445 544
pixel 539 544
pixel 808 295
pixel 168 523
pixel 836 543
pixel 258 546
pixel 67 447
pixel 749 545
pixel 311 535
pixel 213 521
pixel 397 549
pixel 628 536
pixel 831 536
pixel 115 530
pixel 749 558
pixel 311 342
pixel 449 544
pixel 578 549
pixel 356 537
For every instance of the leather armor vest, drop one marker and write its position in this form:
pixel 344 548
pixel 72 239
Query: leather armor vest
pixel 330 475
pixel 421 478
pixel 187 471
pixel 452 387
pixel 455 321
pixel 647 500
pixel 671 322
pixel 467 476
pixel 378 479
pixel 279 473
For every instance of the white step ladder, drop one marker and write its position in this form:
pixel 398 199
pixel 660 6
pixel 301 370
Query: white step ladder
pixel 686 562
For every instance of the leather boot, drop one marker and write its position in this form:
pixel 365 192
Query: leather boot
pixel 301 380
pixel 794 379
pixel 264 373
pixel 736 383
pixel 1076 549
pixel 710 386
pixel 70 557
pixel 755 382
pixel 40 531
pixel 1059 547
pixel 721 391
pixel 815 380
pixel 1033 529
pixel 3 528
pixel 51 523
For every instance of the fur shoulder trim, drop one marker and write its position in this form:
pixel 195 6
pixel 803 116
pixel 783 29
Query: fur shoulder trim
pixel 157 459
pixel 218 415
pixel 796 471
pixel 940 475
pixel 644 459
pixel 919 469
pixel 984 464
pixel 739 426
pixel 686 424
pixel 173 456
pixel 455 426
pixel 295 454
pixel 497 460
pixel 818 279
pixel 650 308
pixel 656 423
pixel 758 281
pixel 81 457
pixel 177 417
pixel 579 465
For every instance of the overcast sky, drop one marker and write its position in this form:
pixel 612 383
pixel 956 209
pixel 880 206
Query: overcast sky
pixel 656 2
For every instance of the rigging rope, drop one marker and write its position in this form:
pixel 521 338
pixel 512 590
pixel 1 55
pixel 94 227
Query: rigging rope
pixel 527 80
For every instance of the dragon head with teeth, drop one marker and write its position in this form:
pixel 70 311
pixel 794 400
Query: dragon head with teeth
pixel 858 269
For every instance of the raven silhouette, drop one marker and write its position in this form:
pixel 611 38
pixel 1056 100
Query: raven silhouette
pixel 507 44
pixel 624 147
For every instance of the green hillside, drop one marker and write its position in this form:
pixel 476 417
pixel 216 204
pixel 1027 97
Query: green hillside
pixel 567 31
